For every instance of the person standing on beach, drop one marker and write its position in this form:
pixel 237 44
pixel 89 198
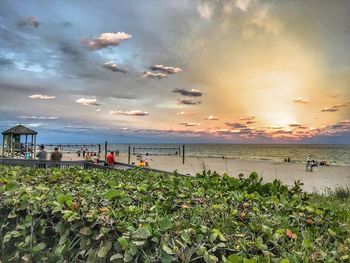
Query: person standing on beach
pixel 94 158
pixel 147 159
pixel 56 156
pixel 42 154
pixel 110 159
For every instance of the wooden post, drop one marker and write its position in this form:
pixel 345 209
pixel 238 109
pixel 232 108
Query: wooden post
pixel 26 143
pixel 129 151
pixel 3 145
pixel 12 150
pixel 34 150
pixel 183 154
pixel 106 146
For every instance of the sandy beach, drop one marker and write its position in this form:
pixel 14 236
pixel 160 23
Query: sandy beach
pixel 322 178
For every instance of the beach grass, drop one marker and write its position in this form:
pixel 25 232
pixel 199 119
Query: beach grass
pixel 77 215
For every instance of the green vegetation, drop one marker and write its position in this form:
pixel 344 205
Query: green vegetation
pixel 78 215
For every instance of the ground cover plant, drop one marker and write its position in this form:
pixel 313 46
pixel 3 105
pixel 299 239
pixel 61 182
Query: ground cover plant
pixel 76 215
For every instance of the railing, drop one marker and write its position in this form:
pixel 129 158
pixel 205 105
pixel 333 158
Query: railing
pixel 67 164
pixel 41 164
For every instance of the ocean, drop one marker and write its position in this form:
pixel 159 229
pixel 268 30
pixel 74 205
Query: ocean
pixel 331 153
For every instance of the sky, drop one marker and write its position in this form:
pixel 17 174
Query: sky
pixel 228 71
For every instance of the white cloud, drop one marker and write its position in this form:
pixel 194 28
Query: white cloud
pixel 41 97
pixel 205 10
pixel 186 113
pixel 211 118
pixel 330 109
pixel 263 20
pixel 87 102
pixel 243 4
pixel 152 75
pixel 300 100
pixel 132 113
pixel 106 40
pixel 189 124
pixel 38 117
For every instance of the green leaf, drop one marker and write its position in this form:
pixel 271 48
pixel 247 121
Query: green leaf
pixel 167 250
pixel 39 247
pixel 123 243
pixel 235 258
pixel 104 249
pixel 86 231
pixel 141 233
pixel 285 260
pixel 92 256
pixel 111 183
pixel 10 186
pixel 165 224
pixel 210 258
pixel 307 243
pixel 185 237
pixel 116 256
pixel 111 194
pixel 65 199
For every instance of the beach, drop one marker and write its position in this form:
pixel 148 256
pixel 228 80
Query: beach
pixel 321 179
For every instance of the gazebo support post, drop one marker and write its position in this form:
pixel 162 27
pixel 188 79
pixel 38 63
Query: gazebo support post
pixel 3 146
pixel 12 148
pixel 34 150
pixel 26 143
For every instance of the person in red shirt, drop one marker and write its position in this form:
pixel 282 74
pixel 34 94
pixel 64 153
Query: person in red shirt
pixel 110 159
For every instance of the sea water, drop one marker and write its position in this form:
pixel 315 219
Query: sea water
pixel 332 154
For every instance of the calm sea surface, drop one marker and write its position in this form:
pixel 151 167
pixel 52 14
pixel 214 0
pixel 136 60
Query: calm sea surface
pixel 333 154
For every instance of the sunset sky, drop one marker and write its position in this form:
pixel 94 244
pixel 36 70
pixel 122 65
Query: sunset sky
pixel 236 71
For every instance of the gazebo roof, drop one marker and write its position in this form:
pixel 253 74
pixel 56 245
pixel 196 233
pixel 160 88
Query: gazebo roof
pixel 20 130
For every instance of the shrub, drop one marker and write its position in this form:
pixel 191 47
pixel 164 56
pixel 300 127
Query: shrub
pixel 78 215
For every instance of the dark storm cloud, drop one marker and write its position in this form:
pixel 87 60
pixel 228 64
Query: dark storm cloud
pixel 189 93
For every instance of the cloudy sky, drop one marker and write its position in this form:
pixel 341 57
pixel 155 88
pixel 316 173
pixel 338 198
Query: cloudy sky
pixel 239 71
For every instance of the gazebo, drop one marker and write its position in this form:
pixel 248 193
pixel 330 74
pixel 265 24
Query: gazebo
pixel 12 145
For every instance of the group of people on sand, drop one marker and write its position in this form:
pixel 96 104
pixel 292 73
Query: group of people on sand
pixel 311 163
pixel 143 161
pixel 55 156
pixel 93 157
